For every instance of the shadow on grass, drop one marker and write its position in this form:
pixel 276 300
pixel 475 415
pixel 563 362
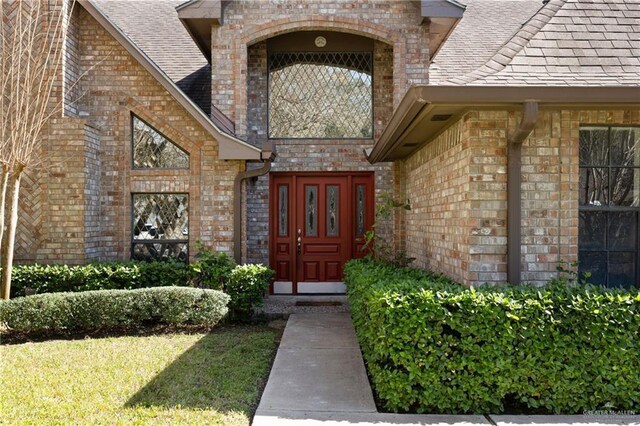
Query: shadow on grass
pixel 224 371
pixel 18 337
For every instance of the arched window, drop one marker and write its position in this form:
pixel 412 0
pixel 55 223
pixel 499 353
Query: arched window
pixel 320 95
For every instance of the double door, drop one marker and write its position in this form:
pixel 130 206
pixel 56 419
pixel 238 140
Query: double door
pixel 318 222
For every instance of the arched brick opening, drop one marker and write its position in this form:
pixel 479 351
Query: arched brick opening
pixel 260 33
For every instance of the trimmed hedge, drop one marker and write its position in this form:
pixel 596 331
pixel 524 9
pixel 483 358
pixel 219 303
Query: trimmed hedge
pixel 98 276
pixel 433 346
pixel 114 308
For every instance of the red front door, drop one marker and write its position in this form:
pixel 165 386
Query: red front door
pixel 317 224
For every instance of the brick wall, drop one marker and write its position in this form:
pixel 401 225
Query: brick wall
pixel 63 230
pixel 81 206
pixel 70 63
pixel 397 23
pixel 487 136
pixel 438 225
pixel 457 188
pixel 92 181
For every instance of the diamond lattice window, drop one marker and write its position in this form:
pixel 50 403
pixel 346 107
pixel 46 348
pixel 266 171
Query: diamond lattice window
pixel 320 95
pixel 151 149
pixel 160 227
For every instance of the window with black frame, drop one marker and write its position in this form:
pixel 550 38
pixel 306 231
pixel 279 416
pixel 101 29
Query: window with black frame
pixel 610 205
pixel 160 227
pixel 321 95
pixel 153 150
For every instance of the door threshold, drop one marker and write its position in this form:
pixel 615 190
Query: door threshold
pixel 295 298
pixel 310 288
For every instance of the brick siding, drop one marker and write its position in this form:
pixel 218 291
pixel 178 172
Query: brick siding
pixel 457 186
pixel 79 204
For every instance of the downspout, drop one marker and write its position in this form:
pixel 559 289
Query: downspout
pixel 267 156
pixel 514 194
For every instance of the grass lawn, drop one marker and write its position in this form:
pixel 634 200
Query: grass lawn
pixel 197 379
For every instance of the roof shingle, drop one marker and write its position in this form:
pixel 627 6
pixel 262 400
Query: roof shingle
pixel 485 27
pixel 569 43
pixel 153 25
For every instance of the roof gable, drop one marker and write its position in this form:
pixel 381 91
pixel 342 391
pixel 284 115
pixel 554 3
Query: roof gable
pixel 230 147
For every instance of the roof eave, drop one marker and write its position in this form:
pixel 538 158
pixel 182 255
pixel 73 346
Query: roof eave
pixel 442 9
pixel 229 146
pixel 198 16
pixel 200 32
pixel 426 111
pixel 442 16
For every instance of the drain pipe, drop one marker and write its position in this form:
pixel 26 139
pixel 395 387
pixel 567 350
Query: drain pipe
pixel 267 156
pixel 514 193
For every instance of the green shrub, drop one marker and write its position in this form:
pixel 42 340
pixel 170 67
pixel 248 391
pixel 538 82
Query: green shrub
pixel 246 287
pixel 98 276
pixel 114 308
pixel 432 346
pixel 210 270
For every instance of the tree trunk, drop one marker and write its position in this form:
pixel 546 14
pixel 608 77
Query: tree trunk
pixel 9 236
pixel 3 202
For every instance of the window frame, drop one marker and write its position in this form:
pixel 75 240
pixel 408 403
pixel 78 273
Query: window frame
pixel 133 241
pixel 371 55
pixel 134 116
pixel 608 208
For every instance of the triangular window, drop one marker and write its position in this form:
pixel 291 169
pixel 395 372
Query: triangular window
pixel 153 150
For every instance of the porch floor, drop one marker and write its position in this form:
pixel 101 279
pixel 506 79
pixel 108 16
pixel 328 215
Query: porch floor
pixel 284 305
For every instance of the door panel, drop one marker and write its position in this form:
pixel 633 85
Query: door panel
pixel 322 226
pixel 317 224
pixel 362 208
pixel 283 249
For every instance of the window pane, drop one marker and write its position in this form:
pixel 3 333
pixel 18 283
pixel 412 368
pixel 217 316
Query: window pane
pixel 150 252
pixel 360 207
pixel 283 210
pixel 624 186
pixel 622 269
pixel 594 262
pixel 594 187
pixel 160 217
pixel 608 239
pixel 592 230
pixel 311 211
pixel 622 231
pixel 594 146
pixel 320 95
pixel 152 150
pixel 624 143
pixel 333 196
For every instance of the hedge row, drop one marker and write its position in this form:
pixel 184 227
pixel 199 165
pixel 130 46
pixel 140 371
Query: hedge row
pixel 432 346
pixel 91 310
pixel 245 284
pixel 98 276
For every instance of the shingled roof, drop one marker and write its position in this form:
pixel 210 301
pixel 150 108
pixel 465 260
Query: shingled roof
pixel 153 25
pixel 567 43
pixel 485 27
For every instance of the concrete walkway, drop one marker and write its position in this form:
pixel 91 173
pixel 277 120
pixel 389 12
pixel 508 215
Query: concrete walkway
pixel 319 378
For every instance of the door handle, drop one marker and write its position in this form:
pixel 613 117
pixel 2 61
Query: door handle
pixel 299 245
